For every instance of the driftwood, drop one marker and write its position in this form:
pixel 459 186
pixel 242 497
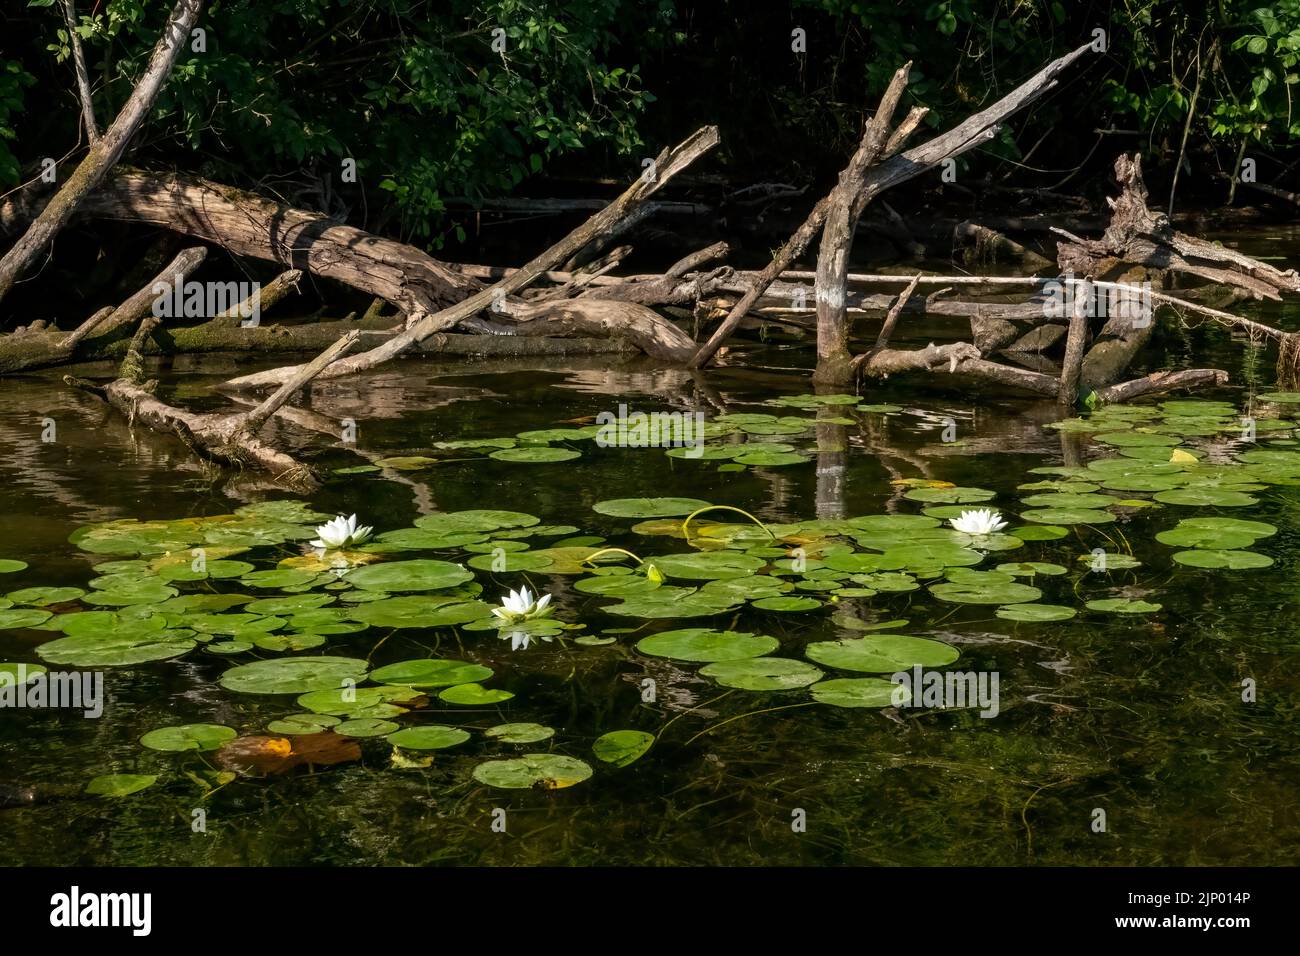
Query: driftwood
pixel 1139 236
pixel 229 440
pixel 965 136
pixel 843 207
pixel 603 223
pixel 246 224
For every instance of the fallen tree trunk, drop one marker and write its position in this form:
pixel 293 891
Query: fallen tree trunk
pixel 247 224
pixel 666 165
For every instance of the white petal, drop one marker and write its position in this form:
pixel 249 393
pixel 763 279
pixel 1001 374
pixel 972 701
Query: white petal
pixel 546 599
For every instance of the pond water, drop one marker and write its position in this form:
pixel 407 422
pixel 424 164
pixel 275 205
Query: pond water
pixel 1120 736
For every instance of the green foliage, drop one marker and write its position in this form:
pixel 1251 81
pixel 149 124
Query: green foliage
pixel 461 98
pixel 13 80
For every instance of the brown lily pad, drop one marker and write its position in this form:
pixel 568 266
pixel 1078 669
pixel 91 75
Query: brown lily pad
pixel 264 755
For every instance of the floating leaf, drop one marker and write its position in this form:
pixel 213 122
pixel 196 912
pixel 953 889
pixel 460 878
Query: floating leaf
pixel 120 784
pixel 298 724
pixel 787 604
pixel 117 649
pixel 1206 497
pixel 274 755
pixel 20 618
pixel 1038 613
pixel 420 611
pixel 522 733
pixel 431 672
pixel 1230 559
pixel 430 737
pixel 293 675
pixel 705 644
pixel 533 454
pixel 419 575
pixel 188 737
pixel 1124 606
pixel 858 692
pixel 970 593
pixel 366 727
pixel 648 507
pixel 622 747
pixel 882 653
pixel 762 673
pixel 474 695
pixel 533 771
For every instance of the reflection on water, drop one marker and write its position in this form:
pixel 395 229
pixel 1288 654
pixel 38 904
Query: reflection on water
pixel 1140 717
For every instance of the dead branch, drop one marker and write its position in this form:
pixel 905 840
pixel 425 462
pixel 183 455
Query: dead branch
pixel 603 223
pixel 898 169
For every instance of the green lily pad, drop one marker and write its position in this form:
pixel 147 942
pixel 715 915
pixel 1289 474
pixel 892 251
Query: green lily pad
pixel 1227 559
pixel 969 593
pixel 288 642
pixel 534 454
pixel 1039 532
pixel 22 618
pixel 344 700
pixel 418 575
pixel 1124 606
pixel 302 724
pixel 762 673
pixel 787 604
pixel 10 565
pixel 648 507
pixel 188 737
pixel 42 597
pixel 857 692
pixel 120 784
pixel 1206 497
pixel 419 611
pixel 622 747
pixel 293 675
pixel 430 737
pixel 117 649
pixel 882 653
pixel 474 694
pixel 1027 569
pixel 1065 516
pixel 511 561
pixel 520 733
pixel 366 727
pixel 705 644
pixel 1038 613
pixel 708 565
pixel 950 496
pixel 431 672
pixel 533 771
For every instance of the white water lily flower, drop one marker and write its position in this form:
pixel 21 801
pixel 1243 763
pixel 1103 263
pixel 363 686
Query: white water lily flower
pixel 340 532
pixel 519 640
pixel 979 521
pixel 521 605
